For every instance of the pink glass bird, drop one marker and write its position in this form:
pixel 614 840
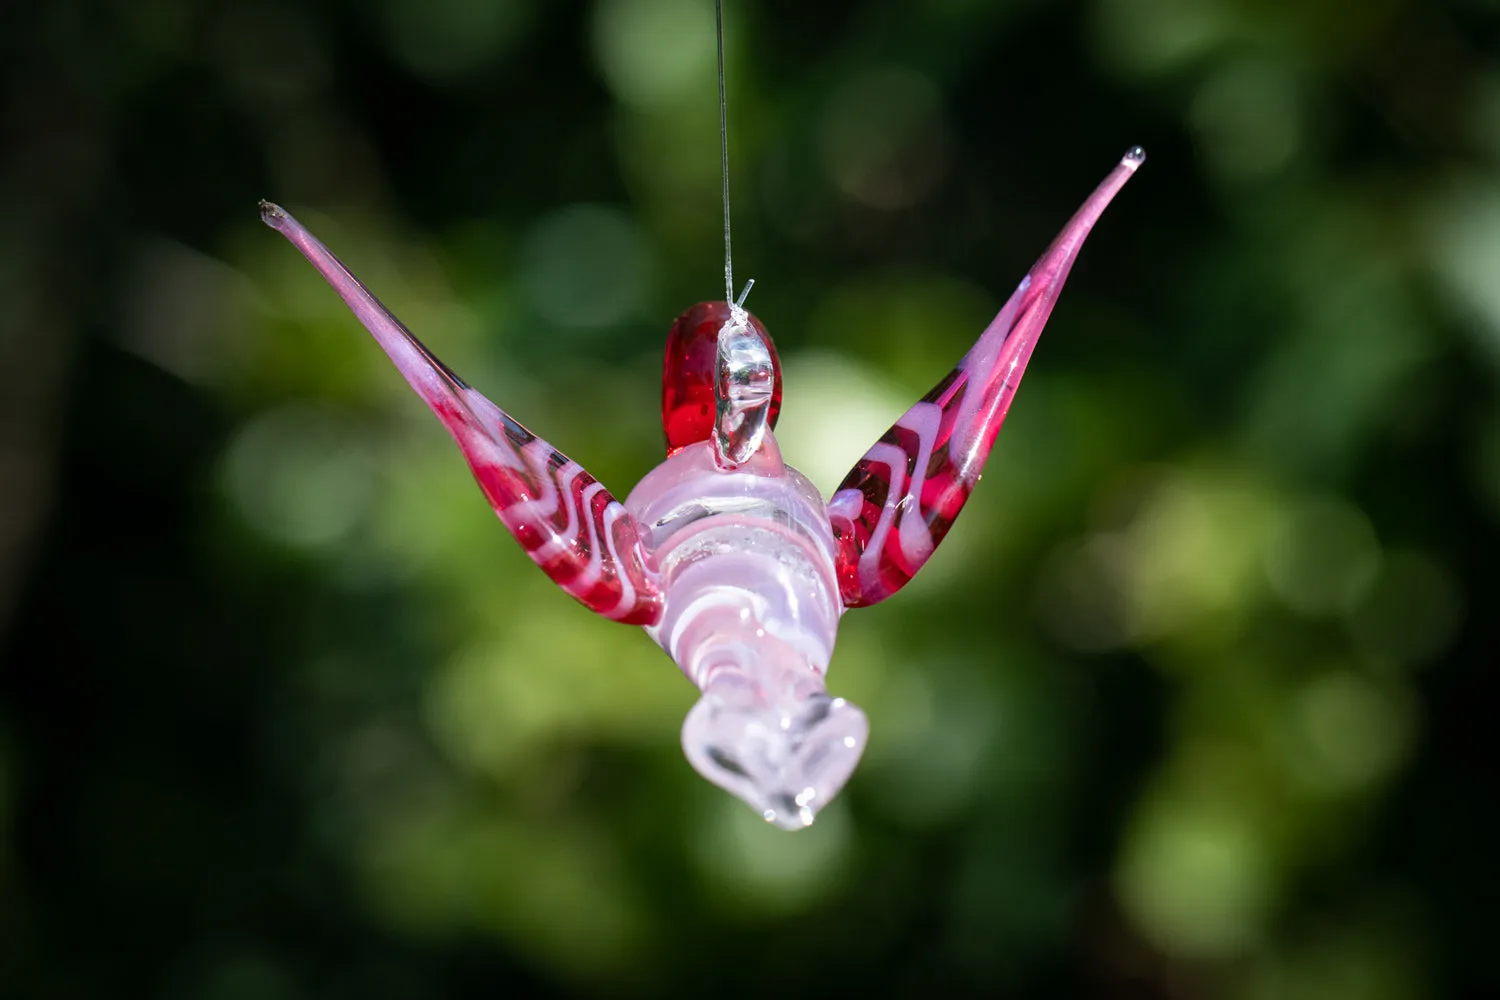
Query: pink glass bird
pixel 728 557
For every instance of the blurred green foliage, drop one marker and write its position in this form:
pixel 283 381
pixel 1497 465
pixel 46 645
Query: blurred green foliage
pixel 1191 705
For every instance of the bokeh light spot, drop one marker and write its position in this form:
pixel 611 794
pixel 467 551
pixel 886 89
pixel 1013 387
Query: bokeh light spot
pixel 584 266
pixel 1194 551
pixel 1465 239
pixel 1248 118
pixel 756 868
pixel 1153 37
pixel 1354 734
pixel 1322 556
pixel 1194 878
pixel 299 475
pixel 655 52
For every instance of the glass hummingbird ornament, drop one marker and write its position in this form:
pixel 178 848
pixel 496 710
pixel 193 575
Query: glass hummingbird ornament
pixel 728 557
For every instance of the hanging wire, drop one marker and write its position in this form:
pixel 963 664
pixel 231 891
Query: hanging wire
pixel 724 153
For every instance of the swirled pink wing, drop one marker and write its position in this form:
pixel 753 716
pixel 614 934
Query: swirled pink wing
pixel 898 502
pixel 567 522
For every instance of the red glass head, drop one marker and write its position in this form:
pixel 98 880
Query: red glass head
pixel 687 381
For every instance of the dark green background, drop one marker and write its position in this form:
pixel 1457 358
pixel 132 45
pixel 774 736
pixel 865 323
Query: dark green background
pixel 1189 705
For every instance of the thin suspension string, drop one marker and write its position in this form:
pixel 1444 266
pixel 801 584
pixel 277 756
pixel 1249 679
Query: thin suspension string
pixel 724 153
